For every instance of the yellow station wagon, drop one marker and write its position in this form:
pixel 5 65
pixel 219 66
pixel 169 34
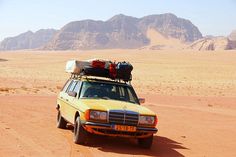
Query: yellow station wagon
pixel 104 107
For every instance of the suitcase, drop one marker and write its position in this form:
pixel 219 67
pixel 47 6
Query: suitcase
pixel 124 71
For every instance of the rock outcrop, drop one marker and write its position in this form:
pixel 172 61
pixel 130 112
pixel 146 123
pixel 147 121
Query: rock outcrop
pixel 213 43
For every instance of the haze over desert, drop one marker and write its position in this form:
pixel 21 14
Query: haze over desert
pixel 192 92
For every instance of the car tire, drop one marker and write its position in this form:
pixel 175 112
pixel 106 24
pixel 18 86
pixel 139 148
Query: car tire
pixel 80 134
pixel 145 142
pixel 61 123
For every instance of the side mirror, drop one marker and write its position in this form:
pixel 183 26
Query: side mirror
pixel 141 100
pixel 73 94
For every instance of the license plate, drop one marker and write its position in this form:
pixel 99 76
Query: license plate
pixel 125 128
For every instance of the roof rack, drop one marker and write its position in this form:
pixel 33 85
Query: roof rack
pixel 78 76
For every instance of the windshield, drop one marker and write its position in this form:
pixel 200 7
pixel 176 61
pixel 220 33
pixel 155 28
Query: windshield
pixel 98 90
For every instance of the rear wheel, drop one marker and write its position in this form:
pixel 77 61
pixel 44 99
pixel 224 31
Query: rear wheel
pixel 145 142
pixel 61 123
pixel 80 134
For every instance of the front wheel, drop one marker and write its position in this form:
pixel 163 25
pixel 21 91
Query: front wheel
pixel 61 123
pixel 80 134
pixel 145 142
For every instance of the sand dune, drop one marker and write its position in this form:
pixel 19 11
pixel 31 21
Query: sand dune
pixel 193 93
pixel 159 41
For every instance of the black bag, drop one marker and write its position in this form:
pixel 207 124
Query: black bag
pixel 90 71
pixel 124 71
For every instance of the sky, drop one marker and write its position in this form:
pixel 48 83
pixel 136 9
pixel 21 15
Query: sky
pixel 212 17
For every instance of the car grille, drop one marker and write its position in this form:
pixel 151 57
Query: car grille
pixel 123 117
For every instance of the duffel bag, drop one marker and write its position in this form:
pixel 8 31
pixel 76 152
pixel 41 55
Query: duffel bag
pixel 112 70
pixel 99 63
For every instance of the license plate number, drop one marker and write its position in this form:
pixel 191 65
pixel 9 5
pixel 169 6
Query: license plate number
pixel 125 128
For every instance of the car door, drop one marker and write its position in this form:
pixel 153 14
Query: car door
pixel 66 98
pixel 72 107
pixel 62 98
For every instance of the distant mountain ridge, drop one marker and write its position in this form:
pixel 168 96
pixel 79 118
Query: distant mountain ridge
pixel 120 31
pixel 28 40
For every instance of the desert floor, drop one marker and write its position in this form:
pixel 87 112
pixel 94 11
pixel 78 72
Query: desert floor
pixel 193 94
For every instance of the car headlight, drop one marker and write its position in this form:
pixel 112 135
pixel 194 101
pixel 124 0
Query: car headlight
pixel 97 115
pixel 147 120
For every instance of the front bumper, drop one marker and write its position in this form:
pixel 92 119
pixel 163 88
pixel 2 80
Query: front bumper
pixel 107 129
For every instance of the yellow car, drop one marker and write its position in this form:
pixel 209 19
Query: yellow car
pixel 104 107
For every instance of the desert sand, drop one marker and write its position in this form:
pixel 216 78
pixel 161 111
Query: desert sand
pixel 192 92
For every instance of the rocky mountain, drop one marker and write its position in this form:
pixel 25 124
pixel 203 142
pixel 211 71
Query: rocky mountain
pixel 121 32
pixel 28 40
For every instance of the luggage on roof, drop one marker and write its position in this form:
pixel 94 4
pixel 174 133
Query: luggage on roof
pixel 112 70
pixel 124 71
pixel 75 67
pixel 101 68
pixel 91 71
pixel 99 63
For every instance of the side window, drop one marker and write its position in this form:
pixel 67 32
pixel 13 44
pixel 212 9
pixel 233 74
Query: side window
pixel 77 86
pixel 66 85
pixel 72 86
pixel 67 89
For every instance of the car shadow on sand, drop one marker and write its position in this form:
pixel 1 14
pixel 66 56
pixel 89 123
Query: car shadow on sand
pixel 162 146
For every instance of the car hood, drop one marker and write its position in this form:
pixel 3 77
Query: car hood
pixel 106 105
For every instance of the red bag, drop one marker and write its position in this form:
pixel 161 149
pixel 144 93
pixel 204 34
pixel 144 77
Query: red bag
pixel 98 64
pixel 112 70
